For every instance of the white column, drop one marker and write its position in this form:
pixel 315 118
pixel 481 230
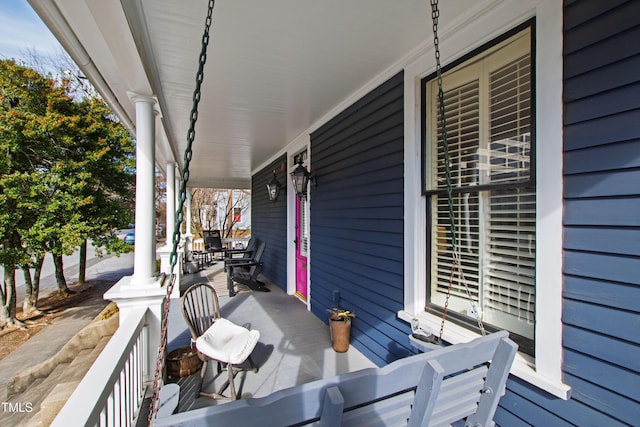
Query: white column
pixel 171 201
pixel 144 288
pixel 144 267
pixel 165 252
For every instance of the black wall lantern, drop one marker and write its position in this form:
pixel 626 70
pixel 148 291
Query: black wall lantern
pixel 300 177
pixel 273 188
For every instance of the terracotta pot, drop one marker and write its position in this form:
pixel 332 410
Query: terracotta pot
pixel 340 333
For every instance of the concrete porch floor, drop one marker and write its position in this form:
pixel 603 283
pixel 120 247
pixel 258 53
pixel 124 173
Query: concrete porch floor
pixel 294 347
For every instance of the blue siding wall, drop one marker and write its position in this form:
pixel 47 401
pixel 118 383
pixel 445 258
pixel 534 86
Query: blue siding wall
pixel 601 307
pixel 356 228
pixel 269 221
pixel 601 304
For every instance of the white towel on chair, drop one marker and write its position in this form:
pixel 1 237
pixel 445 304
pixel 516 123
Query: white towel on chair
pixel 227 342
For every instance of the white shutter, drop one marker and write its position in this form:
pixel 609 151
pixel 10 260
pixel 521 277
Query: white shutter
pixel 509 151
pixel 509 272
pixel 462 110
pixel 488 118
pixel 509 268
pixel 468 242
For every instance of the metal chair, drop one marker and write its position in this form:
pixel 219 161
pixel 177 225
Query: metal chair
pixel 217 338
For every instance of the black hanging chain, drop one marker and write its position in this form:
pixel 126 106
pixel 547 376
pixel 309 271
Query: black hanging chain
pixel 182 197
pixel 191 134
pixel 435 15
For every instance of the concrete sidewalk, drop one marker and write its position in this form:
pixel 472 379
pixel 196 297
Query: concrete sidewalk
pixel 52 338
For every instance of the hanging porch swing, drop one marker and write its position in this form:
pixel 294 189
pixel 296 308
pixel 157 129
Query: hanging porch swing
pixel 427 342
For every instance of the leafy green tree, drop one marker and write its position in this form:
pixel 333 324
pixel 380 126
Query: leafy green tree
pixel 106 159
pixel 93 192
pixel 31 116
pixel 66 176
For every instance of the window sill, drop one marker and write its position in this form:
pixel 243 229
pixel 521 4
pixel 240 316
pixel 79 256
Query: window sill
pixel 522 366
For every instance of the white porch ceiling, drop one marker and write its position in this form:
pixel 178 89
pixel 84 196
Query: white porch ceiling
pixel 274 67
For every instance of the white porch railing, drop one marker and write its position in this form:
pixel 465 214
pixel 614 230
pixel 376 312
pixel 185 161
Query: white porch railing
pixel 197 245
pixel 235 242
pixel 112 391
pixel 232 242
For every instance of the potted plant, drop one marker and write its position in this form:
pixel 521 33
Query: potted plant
pixel 340 328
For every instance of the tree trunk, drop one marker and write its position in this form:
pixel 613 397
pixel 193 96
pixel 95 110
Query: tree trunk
pixel 8 307
pixel 83 262
pixel 28 284
pixel 29 303
pixel 36 274
pixel 59 272
pixel 32 288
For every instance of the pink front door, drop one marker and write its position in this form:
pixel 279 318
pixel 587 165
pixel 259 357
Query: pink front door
pixel 302 243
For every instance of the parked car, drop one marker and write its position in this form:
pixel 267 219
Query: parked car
pixel 130 238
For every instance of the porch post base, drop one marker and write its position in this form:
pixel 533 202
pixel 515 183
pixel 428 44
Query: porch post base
pixel 129 296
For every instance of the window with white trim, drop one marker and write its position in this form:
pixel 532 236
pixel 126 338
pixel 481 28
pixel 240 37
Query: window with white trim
pixel 489 116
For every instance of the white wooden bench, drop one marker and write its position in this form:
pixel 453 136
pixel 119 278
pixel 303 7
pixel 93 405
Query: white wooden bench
pixel 460 382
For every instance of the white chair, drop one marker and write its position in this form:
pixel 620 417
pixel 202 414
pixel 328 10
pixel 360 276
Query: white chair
pixel 217 338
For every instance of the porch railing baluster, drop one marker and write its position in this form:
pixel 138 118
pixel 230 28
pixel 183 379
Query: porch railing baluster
pixel 112 391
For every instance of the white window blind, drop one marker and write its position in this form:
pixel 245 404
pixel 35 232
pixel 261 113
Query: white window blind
pixel 466 214
pixel 488 119
pixel 510 271
pixel 509 274
pixel 462 110
pixel 509 151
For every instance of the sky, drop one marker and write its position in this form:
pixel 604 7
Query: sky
pixel 21 30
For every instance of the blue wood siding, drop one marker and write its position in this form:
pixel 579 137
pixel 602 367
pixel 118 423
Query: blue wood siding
pixel 601 293
pixel 356 223
pixel 601 309
pixel 269 221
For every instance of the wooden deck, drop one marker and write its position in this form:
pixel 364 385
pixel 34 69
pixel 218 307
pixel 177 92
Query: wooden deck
pixel 294 346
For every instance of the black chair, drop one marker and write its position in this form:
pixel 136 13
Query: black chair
pixel 237 256
pixel 213 243
pixel 236 273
